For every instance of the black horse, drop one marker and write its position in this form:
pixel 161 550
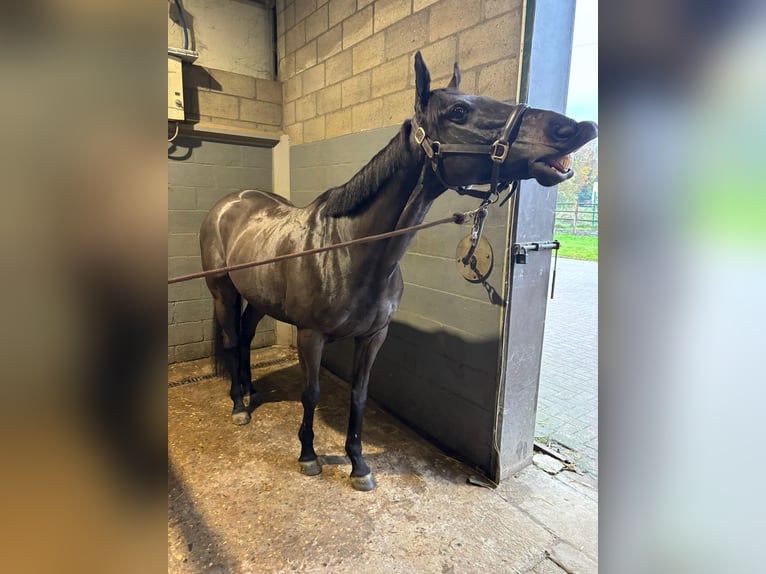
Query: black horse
pixel 355 291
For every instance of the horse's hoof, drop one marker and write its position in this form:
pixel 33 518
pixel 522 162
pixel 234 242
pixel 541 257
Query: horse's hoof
pixel 310 467
pixel 240 418
pixel 364 483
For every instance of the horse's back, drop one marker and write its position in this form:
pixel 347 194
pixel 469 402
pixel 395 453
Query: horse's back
pixel 250 200
pixel 256 195
pixel 229 217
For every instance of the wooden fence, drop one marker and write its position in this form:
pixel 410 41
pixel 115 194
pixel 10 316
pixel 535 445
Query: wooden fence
pixel 575 218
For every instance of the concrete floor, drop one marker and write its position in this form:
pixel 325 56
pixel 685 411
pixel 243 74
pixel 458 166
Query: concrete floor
pixel 238 503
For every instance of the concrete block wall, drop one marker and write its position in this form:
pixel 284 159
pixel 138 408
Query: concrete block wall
pixel 230 99
pixel 199 173
pixel 347 65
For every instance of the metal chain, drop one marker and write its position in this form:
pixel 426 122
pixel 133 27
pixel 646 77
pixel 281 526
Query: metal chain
pixel 479 216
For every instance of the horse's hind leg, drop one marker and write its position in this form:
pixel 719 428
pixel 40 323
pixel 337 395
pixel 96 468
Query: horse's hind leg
pixel 250 319
pixel 310 345
pixel 227 313
pixel 364 356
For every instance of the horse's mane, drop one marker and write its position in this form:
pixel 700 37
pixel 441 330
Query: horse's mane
pixel 353 196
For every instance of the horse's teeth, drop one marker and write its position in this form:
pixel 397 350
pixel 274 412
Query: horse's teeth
pixel 561 164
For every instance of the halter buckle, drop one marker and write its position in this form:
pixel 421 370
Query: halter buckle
pixel 420 135
pixel 436 147
pixel 499 157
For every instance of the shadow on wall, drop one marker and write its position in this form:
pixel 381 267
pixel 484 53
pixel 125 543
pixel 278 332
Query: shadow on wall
pixel 196 78
pixel 181 148
pixel 439 383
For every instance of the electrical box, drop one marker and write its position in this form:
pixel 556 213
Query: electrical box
pixel 176 81
pixel 175 89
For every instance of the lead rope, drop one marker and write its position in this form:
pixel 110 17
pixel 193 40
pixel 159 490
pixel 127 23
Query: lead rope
pixel 459 218
pixel 498 151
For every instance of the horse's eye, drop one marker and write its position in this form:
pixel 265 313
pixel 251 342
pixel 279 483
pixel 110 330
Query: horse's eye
pixel 458 112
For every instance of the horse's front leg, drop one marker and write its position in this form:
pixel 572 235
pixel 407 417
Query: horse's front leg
pixel 310 345
pixel 364 356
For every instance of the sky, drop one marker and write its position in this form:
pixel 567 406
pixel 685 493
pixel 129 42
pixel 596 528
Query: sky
pixel 582 101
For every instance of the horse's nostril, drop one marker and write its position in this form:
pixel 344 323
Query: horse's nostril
pixel 564 131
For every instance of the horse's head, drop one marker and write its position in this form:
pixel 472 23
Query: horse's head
pixel 463 130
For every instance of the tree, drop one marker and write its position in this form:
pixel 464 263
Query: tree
pixel 579 187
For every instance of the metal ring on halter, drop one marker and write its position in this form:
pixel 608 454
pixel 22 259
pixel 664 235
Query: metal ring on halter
pixel 499 157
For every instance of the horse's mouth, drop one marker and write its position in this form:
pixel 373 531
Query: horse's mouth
pixel 557 166
pixel 553 169
pixel 561 164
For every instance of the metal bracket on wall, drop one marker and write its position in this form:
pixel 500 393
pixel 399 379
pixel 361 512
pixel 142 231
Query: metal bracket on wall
pixel 520 251
pixel 184 55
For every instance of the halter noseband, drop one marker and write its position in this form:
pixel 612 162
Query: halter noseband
pixel 497 152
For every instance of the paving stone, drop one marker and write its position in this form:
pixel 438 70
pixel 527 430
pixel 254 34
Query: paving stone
pixel 568 397
pixel 547 463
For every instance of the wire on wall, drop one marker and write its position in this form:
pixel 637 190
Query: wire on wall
pixel 175 135
pixel 183 23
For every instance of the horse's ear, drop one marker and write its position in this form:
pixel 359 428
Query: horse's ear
pixel 422 82
pixel 454 83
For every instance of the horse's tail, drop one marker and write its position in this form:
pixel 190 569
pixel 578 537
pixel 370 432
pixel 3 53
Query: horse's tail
pixel 220 362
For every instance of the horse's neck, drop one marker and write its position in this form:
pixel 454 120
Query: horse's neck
pixel 384 212
pixel 414 212
pixel 402 202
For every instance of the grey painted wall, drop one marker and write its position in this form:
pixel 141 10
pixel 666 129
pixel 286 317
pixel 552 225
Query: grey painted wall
pixel 438 367
pixel 199 173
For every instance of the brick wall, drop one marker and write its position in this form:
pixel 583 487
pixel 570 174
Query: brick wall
pixel 346 65
pixel 199 173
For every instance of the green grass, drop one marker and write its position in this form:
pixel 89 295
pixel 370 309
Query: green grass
pixel 578 246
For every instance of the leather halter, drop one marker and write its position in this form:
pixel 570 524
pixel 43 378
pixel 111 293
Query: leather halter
pixel 497 152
